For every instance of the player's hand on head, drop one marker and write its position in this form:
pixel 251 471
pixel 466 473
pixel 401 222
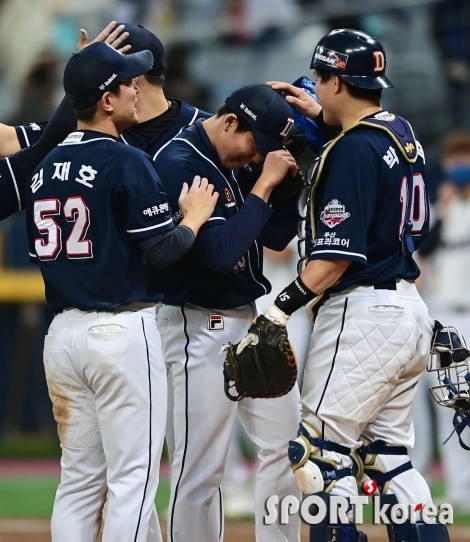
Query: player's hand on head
pixel 113 35
pixel 197 202
pixel 298 97
pixel 276 166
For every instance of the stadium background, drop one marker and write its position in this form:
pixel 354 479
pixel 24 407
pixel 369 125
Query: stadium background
pixel 212 47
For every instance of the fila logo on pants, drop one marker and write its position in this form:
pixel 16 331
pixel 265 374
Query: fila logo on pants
pixel 216 322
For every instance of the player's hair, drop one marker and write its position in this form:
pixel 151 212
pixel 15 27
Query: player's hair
pixel 242 126
pixel 457 142
pixel 370 94
pixel 155 80
pixel 88 114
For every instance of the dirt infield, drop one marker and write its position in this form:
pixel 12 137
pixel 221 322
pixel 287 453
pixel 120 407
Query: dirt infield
pixel 38 531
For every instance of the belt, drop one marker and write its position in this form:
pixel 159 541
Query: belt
pixel 133 307
pixel 390 285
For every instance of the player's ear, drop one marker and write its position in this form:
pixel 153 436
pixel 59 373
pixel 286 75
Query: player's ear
pixel 230 121
pixel 106 102
pixel 338 84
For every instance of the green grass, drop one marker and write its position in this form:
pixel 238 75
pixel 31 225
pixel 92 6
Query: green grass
pixel 34 497
pixel 30 446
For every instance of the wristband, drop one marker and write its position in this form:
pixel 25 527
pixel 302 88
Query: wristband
pixel 293 297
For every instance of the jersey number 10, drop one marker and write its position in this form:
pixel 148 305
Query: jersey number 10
pixel 76 211
pixel 418 204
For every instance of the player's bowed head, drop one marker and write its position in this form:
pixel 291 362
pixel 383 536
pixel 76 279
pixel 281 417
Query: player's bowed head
pixel 98 82
pixel 250 127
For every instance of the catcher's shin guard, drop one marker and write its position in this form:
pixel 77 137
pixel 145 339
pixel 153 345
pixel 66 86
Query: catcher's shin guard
pixel 313 472
pixel 412 532
pixel 327 532
pixel 364 463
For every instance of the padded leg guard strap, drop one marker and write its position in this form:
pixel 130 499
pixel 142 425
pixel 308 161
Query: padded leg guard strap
pixel 418 532
pixel 336 533
pixel 313 472
pixel 327 532
pixel 413 532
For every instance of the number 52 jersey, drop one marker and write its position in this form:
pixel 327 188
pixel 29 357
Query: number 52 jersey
pixel 88 203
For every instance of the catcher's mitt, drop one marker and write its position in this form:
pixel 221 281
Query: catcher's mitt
pixel 266 370
pixel 290 186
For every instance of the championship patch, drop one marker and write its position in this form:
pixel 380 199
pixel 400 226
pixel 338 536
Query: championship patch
pixel 332 58
pixel 215 322
pixel 334 213
pixel 152 211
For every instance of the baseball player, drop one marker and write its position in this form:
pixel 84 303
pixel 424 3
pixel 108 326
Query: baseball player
pixel 209 298
pixel 15 138
pixel 366 214
pixel 94 207
pixel 15 169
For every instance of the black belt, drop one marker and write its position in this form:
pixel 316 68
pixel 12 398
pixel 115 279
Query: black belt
pixel 135 306
pixel 390 285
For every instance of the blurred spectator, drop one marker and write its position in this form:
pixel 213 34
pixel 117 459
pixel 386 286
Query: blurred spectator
pixel 446 260
pixel 451 26
pixel 260 21
pixel 178 82
pixel 37 101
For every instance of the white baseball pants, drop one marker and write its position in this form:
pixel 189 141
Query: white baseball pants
pixel 367 352
pixel 203 422
pixel 107 382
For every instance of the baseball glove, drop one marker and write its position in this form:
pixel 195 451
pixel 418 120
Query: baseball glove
pixel 268 369
pixel 290 186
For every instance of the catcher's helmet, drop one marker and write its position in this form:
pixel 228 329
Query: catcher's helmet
pixel 354 56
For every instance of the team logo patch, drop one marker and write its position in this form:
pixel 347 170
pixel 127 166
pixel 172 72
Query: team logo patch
pixel 332 58
pixel 334 213
pixel 228 194
pixel 215 322
pixel 384 115
pixel 409 148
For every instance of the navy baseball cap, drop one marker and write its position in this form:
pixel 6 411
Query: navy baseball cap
pixel 141 39
pixel 268 113
pixel 98 68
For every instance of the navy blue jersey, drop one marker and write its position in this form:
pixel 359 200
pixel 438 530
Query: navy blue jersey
pixel 187 115
pixel 365 189
pixel 88 204
pixel 229 275
pixel 10 188
pixel 29 134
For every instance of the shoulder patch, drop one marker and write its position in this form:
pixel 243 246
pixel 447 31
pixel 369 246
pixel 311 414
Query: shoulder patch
pixel 334 213
pixel 384 115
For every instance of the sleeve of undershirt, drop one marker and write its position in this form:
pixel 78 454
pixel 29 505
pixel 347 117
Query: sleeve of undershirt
pixel 163 250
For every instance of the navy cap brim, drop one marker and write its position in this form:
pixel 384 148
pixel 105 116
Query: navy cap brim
pixel 137 64
pixel 265 144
